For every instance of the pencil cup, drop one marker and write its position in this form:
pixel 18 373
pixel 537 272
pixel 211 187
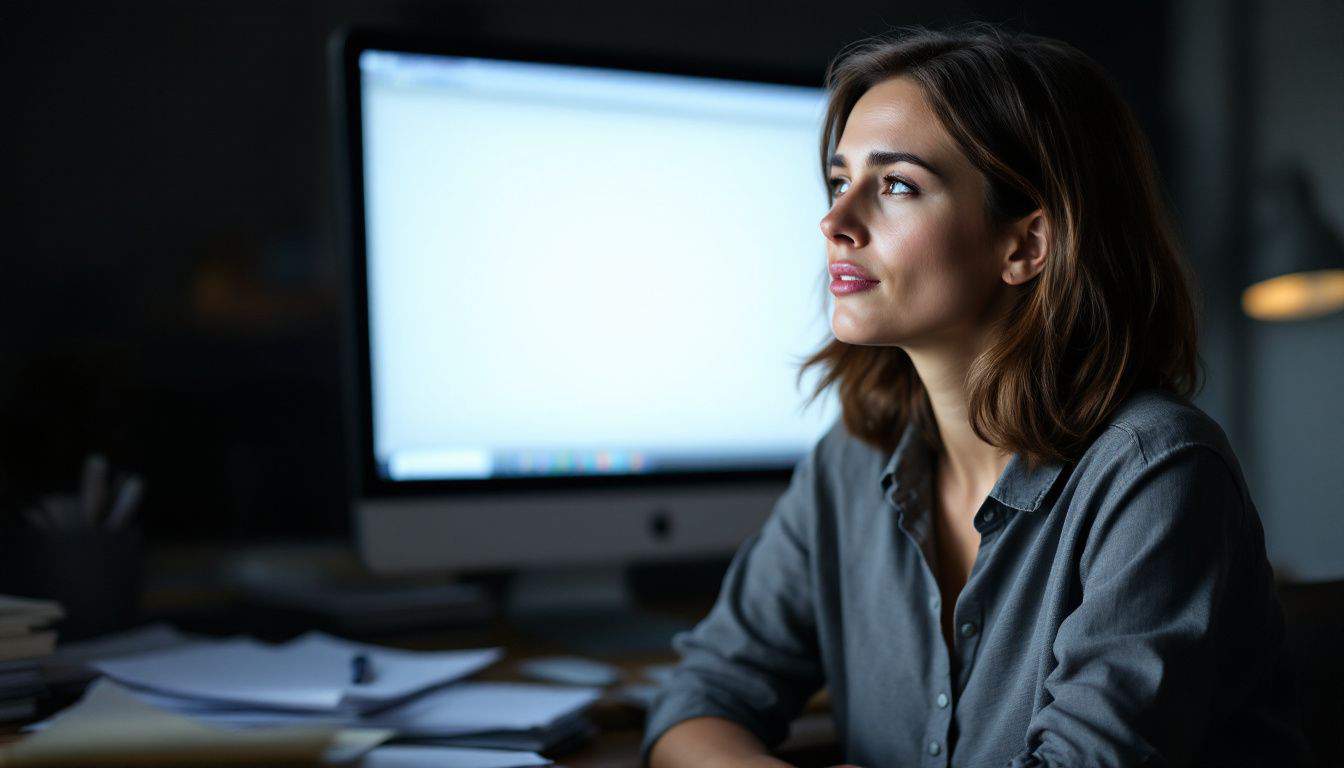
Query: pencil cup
pixel 94 574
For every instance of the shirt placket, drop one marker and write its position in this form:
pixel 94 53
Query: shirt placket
pixel 915 524
pixel 968 618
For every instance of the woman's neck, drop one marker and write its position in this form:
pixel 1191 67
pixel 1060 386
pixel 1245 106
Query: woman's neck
pixel 966 461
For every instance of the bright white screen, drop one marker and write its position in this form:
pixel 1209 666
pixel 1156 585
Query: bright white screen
pixel 576 270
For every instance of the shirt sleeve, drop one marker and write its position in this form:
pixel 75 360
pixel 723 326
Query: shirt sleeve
pixel 753 659
pixel 1137 659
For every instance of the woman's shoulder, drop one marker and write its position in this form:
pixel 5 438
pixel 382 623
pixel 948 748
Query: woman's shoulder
pixel 1157 434
pixel 1153 422
pixel 1147 425
pixel 1151 425
pixel 1160 478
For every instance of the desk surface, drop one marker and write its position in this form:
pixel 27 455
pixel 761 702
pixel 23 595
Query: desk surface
pixel 812 740
pixel 621 726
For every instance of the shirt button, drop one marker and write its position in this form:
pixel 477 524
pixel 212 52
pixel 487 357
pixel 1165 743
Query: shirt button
pixel 934 748
pixel 968 629
pixel 942 700
pixel 989 516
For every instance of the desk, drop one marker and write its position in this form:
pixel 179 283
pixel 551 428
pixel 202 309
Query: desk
pixel 204 606
pixel 811 744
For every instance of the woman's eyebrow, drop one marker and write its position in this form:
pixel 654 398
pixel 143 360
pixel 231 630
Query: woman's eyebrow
pixel 887 157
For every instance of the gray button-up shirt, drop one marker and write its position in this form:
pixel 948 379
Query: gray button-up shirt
pixel 1120 612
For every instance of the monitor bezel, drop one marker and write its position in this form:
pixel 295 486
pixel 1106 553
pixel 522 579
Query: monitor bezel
pixel 344 52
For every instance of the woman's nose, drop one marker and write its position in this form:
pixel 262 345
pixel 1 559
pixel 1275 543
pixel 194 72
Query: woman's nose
pixel 840 228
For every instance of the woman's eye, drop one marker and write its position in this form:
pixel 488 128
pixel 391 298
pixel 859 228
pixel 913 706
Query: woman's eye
pixel 838 186
pixel 892 181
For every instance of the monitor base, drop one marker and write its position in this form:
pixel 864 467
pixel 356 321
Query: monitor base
pixel 551 591
pixel 606 634
pixel 588 610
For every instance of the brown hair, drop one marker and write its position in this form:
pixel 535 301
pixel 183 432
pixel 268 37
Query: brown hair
pixel 1111 312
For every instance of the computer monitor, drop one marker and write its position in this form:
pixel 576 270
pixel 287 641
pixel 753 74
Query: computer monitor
pixel 581 288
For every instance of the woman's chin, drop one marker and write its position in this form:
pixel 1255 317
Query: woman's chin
pixel 858 335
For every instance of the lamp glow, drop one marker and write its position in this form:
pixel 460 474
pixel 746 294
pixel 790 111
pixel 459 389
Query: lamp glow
pixel 1295 297
pixel 1298 269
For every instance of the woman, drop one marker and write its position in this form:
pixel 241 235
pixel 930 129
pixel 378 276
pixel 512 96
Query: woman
pixel 1020 545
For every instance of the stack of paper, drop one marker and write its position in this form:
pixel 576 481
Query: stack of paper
pixel 405 756
pixel 24 641
pixel 418 695
pixel 113 726
pixel 110 727
pixel 312 673
pixel 522 716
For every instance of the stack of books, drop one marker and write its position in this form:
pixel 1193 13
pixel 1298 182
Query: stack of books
pixel 25 640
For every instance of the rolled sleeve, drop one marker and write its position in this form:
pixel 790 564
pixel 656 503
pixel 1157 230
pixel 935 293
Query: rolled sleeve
pixel 1136 662
pixel 753 659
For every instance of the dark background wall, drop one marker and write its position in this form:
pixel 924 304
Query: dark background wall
pixel 1296 379
pixel 172 286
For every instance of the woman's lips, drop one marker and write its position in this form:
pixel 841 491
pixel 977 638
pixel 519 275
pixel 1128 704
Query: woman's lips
pixel 841 287
pixel 848 277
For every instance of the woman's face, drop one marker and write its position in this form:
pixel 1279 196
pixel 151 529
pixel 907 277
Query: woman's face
pixel 913 221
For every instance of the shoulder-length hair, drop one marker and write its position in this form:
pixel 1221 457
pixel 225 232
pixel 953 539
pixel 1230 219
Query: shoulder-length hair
pixel 1111 312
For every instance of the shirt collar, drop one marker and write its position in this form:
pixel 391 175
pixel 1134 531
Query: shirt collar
pixel 909 466
pixel 1019 487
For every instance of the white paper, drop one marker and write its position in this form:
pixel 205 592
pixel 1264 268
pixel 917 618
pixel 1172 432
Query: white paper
pixel 398 756
pixel 309 674
pixel 461 708
pixel 71 662
pixel 471 707
pixel 397 673
pixel 239 670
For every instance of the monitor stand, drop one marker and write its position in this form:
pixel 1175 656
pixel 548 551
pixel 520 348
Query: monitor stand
pixel 588 610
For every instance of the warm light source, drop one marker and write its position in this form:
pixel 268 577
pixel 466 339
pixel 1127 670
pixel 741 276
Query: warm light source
pixel 1296 296
pixel 1299 268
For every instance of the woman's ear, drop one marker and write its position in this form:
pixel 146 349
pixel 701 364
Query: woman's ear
pixel 1028 246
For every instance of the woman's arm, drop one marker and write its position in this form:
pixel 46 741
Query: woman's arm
pixel 711 742
pixel 753 661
